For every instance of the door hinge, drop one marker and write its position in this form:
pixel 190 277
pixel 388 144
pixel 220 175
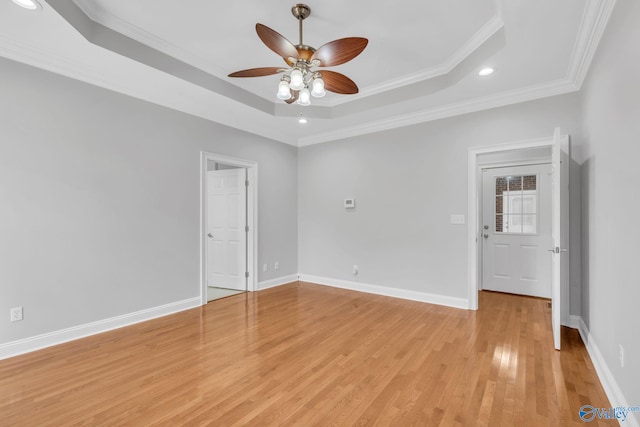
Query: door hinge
pixel 246 183
pixel 246 274
pixel 246 229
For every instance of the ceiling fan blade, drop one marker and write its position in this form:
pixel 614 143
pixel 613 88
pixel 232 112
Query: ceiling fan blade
pixel 294 97
pixel 276 42
pixel 257 72
pixel 340 51
pixel 338 83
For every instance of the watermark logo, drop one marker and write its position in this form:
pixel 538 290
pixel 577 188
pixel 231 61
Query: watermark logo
pixel 588 413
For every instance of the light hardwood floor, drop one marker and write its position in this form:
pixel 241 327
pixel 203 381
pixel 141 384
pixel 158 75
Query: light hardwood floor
pixel 303 355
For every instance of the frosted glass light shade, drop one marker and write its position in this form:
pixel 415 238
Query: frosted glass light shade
pixel 318 88
pixel 304 98
pixel 283 90
pixel 297 80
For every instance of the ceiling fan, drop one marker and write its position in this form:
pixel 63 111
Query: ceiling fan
pixel 301 59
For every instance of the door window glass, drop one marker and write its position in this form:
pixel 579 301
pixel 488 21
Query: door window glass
pixel 517 204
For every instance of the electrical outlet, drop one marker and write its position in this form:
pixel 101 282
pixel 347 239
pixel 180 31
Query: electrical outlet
pixel 16 314
pixel 621 355
pixel 265 267
pixel 276 266
pixel 355 270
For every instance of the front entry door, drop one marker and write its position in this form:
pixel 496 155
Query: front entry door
pixel 226 234
pixel 516 230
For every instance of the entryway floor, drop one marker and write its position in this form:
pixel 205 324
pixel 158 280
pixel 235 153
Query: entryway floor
pixel 217 293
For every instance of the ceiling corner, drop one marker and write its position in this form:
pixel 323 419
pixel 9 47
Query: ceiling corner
pixel 594 21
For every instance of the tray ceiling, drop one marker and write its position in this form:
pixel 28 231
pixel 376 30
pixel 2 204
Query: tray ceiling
pixel 421 63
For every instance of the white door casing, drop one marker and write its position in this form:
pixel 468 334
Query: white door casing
pixel 226 235
pixel 560 275
pixel 559 232
pixel 251 166
pixel 516 230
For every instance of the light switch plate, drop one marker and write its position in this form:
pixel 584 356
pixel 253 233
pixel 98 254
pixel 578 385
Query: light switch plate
pixel 350 203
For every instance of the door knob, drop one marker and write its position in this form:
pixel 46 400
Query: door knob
pixel 210 235
pixel 486 236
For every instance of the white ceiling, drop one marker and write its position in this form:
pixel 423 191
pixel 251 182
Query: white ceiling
pixel 421 62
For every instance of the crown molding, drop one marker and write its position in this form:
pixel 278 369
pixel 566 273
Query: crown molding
pixel 592 26
pixel 83 71
pixel 492 26
pixel 99 15
pixel 39 58
pixel 594 21
pixel 515 96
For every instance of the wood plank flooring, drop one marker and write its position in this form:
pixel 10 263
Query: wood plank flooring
pixel 303 355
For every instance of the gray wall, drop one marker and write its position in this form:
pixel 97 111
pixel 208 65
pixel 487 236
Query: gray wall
pixel 99 201
pixel 406 183
pixel 609 156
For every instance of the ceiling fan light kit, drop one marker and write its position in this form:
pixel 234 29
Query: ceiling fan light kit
pixel 300 81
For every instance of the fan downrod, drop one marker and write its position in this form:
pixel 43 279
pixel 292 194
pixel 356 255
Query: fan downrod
pixel 300 12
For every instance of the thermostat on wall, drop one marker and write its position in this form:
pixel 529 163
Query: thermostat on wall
pixel 349 203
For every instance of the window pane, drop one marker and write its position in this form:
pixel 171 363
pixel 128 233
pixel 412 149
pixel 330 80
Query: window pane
pixel 529 203
pixel 515 204
pixel 500 205
pixel 529 224
pixel 530 182
pixel 501 185
pixel 512 224
pixel 515 183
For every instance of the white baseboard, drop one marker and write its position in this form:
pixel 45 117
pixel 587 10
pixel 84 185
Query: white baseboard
pixel 387 291
pixel 573 322
pixel 611 388
pixel 26 345
pixel 266 284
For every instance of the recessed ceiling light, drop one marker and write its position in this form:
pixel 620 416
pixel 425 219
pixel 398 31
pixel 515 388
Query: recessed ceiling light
pixel 302 120
pixel 28 4
pixel 486 71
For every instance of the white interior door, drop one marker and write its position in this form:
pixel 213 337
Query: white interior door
pixel 226 235
pixel 559 230
pixel 516 230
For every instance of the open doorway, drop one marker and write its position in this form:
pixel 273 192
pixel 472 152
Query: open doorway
pixel 228 226
pixel 557 253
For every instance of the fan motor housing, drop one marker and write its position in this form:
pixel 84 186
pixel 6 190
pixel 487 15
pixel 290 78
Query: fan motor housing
pixel 304 52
